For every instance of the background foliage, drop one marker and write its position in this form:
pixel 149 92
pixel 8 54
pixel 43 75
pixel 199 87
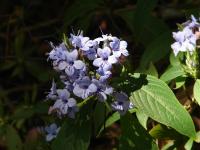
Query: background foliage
pixel 26 27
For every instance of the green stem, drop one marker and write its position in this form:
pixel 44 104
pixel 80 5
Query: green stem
pixel 107 105
pixel 84 101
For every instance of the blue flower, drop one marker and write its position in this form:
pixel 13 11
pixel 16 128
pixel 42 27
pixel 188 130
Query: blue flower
pixel 192 23
pixel 102 90
pixel 91 53
pixel 51 131
pixel 71 63
pixel 64 104
pixel 121 103
pixel 58 52
pixel 84 43
pixel 185 41
pixel 104 38
pixel 106 60
pixel 104 75
pixel 84 87
pixel 118 47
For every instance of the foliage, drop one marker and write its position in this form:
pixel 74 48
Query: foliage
pixel 160 118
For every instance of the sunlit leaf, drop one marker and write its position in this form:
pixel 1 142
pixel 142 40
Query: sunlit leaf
pixel 142 118
pixel 157 101
pixel 196 91
pixel 171 73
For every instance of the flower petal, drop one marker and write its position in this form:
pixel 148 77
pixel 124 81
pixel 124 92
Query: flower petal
pixel 62 65
pixel 72 56
pixel 49 137
pixel 123 45
pixel 71 102
pixel 78 64
pixel 98 62
pixel 117 53
pixel 70 70
pixel 112 59
pixel 92 87
pixel 78 91
pixel 63 94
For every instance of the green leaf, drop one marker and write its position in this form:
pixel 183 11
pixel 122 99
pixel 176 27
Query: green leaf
pixel 148 25
pixel 162 132
pixel 150 69
pixel 73 135
pixel 157 49
pixel 127 14
pixel 100 114
pixel 188 145
pixel 80 9
pixel 151 26
pixel 180 81
pixel 157 101
pixel 20 113
pixel 13 140
pixel 174 60
pixel 197 137
pixel 134 136
pixel 196 91
pixel 145 6
pixel 113 118
pixel 171 73
pixel 142 118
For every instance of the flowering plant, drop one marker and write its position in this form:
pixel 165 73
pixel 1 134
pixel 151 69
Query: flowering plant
pixel 137 88
pixel 89 80
pixel 85 68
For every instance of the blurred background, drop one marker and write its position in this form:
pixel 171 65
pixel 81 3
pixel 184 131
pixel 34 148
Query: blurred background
pixel 27 27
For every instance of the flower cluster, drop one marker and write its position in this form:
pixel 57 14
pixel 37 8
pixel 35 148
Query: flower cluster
pixel 85 66
pixel 186 42
pixel 187 36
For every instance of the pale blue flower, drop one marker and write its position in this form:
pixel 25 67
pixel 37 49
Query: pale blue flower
pixel 52 131
pixel 104 74
pixel 84 87
pixel 185 41
pixel 118 47
pixel 102 90
pixel 91 53
pixel 104 38
pixel 105 59
pixel 58 53
pixel 192 23
pixel 121 103
pixel 84 43
pixel 71 63
pixel 64 105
